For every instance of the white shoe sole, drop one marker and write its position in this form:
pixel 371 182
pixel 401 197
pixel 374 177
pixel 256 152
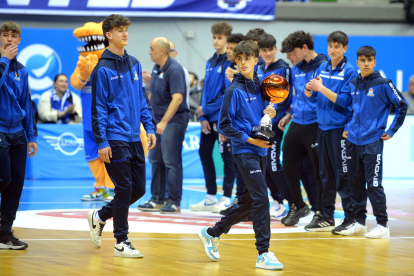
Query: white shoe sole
pixel 324 229
pixel 203 240
pixel 95 243
pixel 263 266
pixel 382 237
pixel 201 208
pixel 126 255
pixel 6 246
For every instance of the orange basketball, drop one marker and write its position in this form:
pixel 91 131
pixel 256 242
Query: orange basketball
pixel 275 89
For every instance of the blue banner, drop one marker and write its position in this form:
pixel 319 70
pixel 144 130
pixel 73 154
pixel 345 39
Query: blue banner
pixel 45 58
pixel 235 9
pixel 61 154
pixel 394 55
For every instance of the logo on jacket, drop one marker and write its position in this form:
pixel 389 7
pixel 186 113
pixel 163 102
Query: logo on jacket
pixel 342 73
pixel 219 70
pixel 136 76
pixel 16 77
pixel 67 143
pixel 232 5
pixel 161 75
pixel 42 63
pixel 371 92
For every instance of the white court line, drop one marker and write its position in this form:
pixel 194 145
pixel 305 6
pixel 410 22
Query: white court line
pixel 184 239
pixel 54 188
pixel 61 203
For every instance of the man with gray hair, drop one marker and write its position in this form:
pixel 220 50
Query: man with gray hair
pixel 409 96
pixel 169 101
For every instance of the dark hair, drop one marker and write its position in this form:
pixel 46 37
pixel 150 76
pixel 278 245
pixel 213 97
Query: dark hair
pixel 58 75
pixel 266 41
pixel 194 74
pixel 235 38
pixel 114 20
pixel 10 26
pixel 297 40
pixel 247 48
pixel 254 34
pixel 223 28
pixel 339 37
pixel 367 51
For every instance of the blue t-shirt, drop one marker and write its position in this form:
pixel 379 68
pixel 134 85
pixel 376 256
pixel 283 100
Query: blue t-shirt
pixel 164 83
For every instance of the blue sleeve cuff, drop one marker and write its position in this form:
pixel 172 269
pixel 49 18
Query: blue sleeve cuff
pixel 5 60
pixel 390 133
pixel 244 138
pixel 150 131
pixel 202 118
pixel 32 139
pixel 104 144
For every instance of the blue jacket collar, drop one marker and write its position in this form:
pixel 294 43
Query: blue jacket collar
pixel 340 65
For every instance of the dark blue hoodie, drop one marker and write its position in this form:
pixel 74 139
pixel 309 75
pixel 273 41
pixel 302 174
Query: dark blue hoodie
pixel 372 98
pixel 119 105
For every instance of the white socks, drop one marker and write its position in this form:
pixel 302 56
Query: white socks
pixel 98 218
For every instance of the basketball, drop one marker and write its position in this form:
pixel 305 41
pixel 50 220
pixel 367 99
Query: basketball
pixel 275 89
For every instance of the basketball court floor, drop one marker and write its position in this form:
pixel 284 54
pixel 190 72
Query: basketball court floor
pixel 52 220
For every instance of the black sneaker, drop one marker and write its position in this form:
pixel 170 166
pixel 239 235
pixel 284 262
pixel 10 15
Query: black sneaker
pixel 170 208
pixel 295 214
pixel 227 210
pixel 10 241
pixel 320 224
pixel 344 226
pixel 150 206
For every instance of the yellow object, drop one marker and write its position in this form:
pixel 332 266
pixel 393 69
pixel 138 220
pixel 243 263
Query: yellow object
pixel 98 170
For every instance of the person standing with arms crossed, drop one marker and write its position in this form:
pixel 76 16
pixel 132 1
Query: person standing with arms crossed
pixel 119 106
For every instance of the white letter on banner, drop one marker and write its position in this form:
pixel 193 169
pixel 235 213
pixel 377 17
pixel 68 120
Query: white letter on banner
pixel 18 2
pixel 400 80
pixel 151 4
pixel 194 142
pixel 108 4
pixel 58 3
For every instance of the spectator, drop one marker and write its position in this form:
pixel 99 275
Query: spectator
pixel 59 104
pixel 193 82
pixel 409 96
pixel 195 97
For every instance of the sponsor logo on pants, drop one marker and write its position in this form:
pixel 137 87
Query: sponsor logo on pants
pixel 377 168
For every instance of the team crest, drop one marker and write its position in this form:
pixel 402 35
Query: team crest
pixel 342 73
pixel 16 77
pixel 219 70
pixel 136 76
pixel 161 75
pixel 232 5
pixel 371 92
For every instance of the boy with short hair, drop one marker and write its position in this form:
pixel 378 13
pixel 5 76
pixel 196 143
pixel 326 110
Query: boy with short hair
pixel 254 35
pixel 232 41
pixel 119 106
pixel 275 178
pixel 243 108
pixel 372 97
pixel 18 132
pixel 208 112
pixel 331 88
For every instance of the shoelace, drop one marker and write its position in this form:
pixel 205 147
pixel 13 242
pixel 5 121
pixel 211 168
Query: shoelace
pixel 216 244
pixel 271 256
pixel 101 226
pixel 129 245
pixel 350 226
pixel 316 218
pixel 13 237
pixel 292 212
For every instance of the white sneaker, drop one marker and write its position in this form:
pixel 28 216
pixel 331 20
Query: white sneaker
pixel 205 205
pixel 126 250
pixel 110 197
pixel 95 230
pixel 222 204
pixel 378 232
pixel 355 229
pixel 278 210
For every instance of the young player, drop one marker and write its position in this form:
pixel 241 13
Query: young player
pixel 275 178
pixel 333 110
pixel 243 107
pixel 213 93
pixel 18 131
pixel 372 97
pixel 119 106
pixel 300 139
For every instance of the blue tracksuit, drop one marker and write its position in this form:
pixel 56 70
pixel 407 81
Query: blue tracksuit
pixel 119 105
pixel 16 125
pixel 275 179
pixel 242 109
pixel 232 66
pixel 331 146
pixel 372 98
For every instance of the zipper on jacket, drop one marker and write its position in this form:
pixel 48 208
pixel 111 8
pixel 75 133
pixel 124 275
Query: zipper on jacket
pixel 130 98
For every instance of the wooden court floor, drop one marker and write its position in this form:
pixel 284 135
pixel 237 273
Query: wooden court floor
pixel 60 252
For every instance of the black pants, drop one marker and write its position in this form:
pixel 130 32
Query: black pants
pixel 255 201
pixel 333 172
pixel 275 179
pixel 207 142
pixel 13 155
pixel 239 182
pixel 127 172
pixel 300 141
pixel 306 176
pixel 365 169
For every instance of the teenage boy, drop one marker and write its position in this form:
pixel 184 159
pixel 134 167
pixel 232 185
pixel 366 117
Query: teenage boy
pixel 372 97
pixel 232 41
pixel 331 88
pixel 254 35
pixel 119 106
pixel 208 112
pixel 300 139
pixel 243 108
pixel 18 132
pixel 275 179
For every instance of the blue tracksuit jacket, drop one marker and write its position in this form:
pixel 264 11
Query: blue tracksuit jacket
pixel 214 87
pixel 335 115
pixel 242 109
pixel 280 67
pixel 304 108
pixel 15 105
pixel 118 102
pixel 372 98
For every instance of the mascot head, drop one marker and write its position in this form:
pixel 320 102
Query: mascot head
pixel 92 34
